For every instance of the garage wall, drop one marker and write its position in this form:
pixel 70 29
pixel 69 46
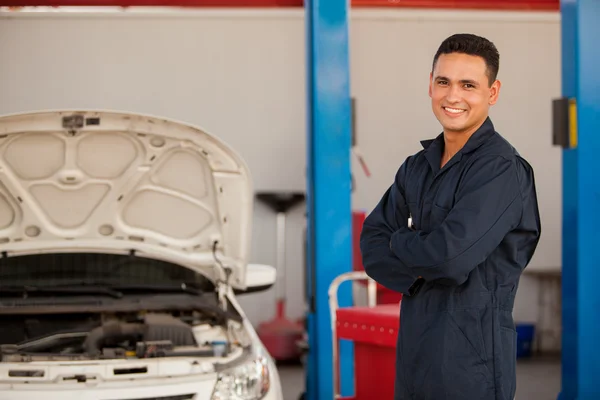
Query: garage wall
pixel 241 75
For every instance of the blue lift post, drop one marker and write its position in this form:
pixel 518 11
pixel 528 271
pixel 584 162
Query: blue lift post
pixel 329 230
pixel 581 203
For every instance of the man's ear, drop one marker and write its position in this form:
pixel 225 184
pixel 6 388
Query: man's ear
pixel 494 92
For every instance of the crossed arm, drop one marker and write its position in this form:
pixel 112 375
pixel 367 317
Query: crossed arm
pixel 488 206
pixel 389 216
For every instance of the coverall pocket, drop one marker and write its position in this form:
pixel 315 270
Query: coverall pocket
pixel 465 374
pixel 508 337
pixel 438 215
pixel 466 331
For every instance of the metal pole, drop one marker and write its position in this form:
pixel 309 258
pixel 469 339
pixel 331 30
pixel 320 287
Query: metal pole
pixel 581 213
pixel 329 230
pixel 281 272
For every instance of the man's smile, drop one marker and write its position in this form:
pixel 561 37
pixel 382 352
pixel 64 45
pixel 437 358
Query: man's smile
pixel 454 111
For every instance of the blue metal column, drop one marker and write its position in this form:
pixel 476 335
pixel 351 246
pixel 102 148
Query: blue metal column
pixel 329 230
pixel 581 203
pixel 569 212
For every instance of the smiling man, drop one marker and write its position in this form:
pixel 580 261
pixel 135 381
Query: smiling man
pixel 453 233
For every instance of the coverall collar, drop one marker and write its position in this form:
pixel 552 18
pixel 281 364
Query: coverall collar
pixel 434 148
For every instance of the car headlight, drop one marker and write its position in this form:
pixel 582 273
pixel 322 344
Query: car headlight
pixel 247 381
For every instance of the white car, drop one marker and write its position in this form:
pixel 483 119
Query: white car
pixel 124 240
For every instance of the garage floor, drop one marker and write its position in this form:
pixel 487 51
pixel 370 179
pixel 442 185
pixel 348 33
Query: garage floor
pixel 537 379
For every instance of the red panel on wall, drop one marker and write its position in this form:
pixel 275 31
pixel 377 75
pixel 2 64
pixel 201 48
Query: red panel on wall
pixel 538 5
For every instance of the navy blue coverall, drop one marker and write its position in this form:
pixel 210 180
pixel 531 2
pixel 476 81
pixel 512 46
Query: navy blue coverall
pixel 475 228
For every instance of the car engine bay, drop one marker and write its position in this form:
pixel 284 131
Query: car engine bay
pixel 106 336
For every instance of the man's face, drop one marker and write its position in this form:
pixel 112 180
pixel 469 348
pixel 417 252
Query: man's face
pixel 460 92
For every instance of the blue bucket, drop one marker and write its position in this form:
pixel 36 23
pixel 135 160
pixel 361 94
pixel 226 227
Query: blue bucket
pixel 525 335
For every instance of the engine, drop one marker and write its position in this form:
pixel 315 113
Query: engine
pixel 155 334
pixel 143 336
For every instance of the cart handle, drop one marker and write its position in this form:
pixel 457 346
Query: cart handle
pixel 333 306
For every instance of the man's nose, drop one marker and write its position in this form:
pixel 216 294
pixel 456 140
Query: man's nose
pixel 453 94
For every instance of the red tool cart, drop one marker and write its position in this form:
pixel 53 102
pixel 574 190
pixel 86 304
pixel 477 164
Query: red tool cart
pixel 373 329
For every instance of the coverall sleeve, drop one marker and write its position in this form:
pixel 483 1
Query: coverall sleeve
pixel 487 207
pixel 380 263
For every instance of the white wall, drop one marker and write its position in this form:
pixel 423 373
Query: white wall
pixel 241 75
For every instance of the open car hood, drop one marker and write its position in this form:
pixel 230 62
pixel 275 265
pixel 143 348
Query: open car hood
pixel 96 181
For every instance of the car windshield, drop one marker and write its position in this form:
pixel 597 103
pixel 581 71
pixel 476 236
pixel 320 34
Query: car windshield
pixel 48 270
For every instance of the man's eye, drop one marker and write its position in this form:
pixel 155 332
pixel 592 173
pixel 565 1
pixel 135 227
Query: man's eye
pixel 442 82
pixel 469 86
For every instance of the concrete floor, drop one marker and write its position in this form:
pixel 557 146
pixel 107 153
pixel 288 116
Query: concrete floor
pixel 537 379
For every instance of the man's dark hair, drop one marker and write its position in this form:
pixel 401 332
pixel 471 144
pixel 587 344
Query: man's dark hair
pixel 472 45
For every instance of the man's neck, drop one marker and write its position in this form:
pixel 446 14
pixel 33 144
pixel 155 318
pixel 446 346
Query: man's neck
pixel 453 142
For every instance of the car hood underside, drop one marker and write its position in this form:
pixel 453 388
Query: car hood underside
pixel 111 182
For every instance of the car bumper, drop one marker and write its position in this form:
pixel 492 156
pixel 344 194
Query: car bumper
pixel 181 388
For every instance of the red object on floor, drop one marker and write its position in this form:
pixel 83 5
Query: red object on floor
pixel 373 332
pixel 384 295
pixel 280 335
